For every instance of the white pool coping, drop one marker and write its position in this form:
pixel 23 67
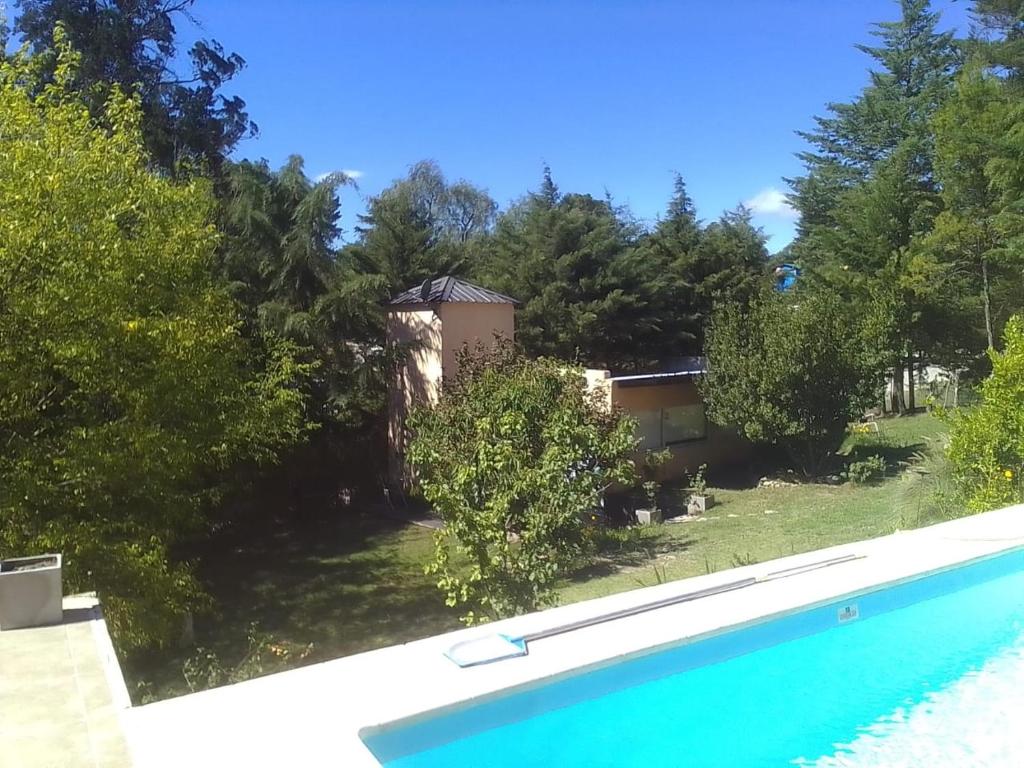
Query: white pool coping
pixel 316 713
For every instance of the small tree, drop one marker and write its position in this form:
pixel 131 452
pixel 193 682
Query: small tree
pixel 986 444
pixel 791 371
pixel 512 457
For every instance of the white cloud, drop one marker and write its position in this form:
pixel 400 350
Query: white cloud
pixel 351 173
pixel 771 202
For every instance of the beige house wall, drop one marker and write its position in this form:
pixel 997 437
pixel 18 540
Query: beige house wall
pixel 437 335
pixel 418 381
pixel 599 383
pixel 469 324
pixel 647 397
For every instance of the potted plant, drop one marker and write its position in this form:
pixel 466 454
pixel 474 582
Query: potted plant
pixel 31 591
pixel 649 472
pixel 700 500
pixel 650 514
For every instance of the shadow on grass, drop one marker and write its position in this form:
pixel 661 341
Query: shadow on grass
pixel 346 584
pixel 893 455
pixel 627 548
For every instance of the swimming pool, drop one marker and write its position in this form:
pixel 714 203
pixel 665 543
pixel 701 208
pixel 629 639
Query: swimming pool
pixel 929 665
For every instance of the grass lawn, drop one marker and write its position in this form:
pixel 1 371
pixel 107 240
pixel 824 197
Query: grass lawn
pixel 356 582
pixel 754 524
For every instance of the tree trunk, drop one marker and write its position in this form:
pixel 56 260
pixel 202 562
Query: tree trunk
pixel 986 298
pixel 911 384
pixel 899 402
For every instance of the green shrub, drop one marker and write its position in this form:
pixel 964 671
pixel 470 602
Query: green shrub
pixel 513 457
pixel 986 443
pixel 792 371
pixel 698 481
pixel 205 669
pixel 869 470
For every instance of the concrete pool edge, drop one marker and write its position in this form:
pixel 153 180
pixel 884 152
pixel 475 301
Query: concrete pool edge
pixel 319 711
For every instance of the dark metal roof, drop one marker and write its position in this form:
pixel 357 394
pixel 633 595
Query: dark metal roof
pixel 682 367
pixel 450 289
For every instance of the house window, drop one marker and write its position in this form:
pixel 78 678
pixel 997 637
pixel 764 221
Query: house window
pixel 648 429
pixel 668 426
pixel 682 423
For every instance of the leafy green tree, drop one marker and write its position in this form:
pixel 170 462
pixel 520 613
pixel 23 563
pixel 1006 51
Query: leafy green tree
pixel 422 227
pixel 126 387
pixel 186 117
pixel 986 443
pixel 793 370
pixel 512 457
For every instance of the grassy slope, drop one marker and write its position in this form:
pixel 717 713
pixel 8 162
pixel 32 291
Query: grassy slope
pixel 357 583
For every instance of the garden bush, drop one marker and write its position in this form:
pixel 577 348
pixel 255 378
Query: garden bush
pixel 868 470
pixel 513 457
pixel 986 444
pixel 792 371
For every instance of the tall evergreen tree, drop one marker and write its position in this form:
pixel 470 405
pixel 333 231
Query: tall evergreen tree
pixel 870 189
pixel 566 258
pixel 422 227
pixel 970 235
pixel 663 260
pixel 915 67
pixel 690 269
pixel 1001 39
pixel 729 266
pixel 280 258
pixel 186 116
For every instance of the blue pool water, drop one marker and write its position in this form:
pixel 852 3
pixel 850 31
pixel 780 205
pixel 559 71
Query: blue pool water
pixel 818 687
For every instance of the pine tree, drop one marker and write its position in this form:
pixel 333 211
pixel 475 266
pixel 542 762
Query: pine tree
pixel 968 237
pixel 690 269
pixel 870 190
pixel 566 258
pixel 1001 43
pixel 916 64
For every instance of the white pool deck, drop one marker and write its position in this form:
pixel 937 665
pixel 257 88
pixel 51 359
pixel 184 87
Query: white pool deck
pixel 316 713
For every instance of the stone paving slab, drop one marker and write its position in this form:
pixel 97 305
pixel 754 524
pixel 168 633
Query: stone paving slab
pixel 61 694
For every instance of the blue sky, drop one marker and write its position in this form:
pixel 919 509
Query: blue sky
pixel 612 94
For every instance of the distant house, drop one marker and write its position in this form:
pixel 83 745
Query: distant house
pixel 670 415
pixel 437 318
pixel 440 316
